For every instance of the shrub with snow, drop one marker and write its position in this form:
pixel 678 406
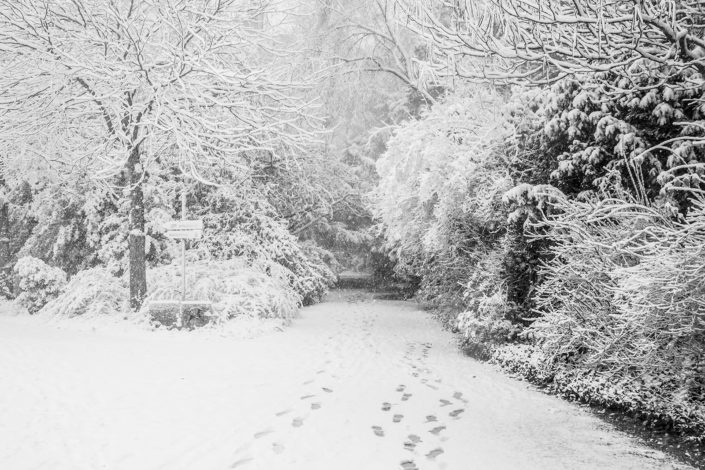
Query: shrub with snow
pixel 234 288
pixel 621 307
pixel 6 289
pixel 93 292
pixel 236 227
pixel 37 283
pixel 525 360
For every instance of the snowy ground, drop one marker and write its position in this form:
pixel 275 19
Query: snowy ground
pixel 352 384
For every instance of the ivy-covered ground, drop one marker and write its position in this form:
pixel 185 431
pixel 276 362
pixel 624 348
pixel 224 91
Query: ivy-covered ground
pixel 353 383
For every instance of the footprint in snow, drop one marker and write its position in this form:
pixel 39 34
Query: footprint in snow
pixel 378 431
pixel 431 419
pixel 456 413
pixel 315 406
pixel 401 388
pixel 459 396
pixel 277 448
pixel 434 453
pixel 397 418
pixel 306 397
pixel 409 465
pixel 386 406
pixel 261 434
pixel 326 389
pixel 297 422
pixel 405 397
pixel 308 382
pixel 437 430
pixel 241 462
pixel 282 413
pixel 408 445
pixel 445 402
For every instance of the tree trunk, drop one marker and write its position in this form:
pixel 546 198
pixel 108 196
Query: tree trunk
pixel 136 240
pixel 5 254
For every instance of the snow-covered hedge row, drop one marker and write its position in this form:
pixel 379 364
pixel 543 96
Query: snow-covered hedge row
pixel 605 297
pixel 621 306
pixel 639 395
pixel 37 283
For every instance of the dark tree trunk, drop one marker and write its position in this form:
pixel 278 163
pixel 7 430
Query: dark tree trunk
pixel 5 254
pixel 136 240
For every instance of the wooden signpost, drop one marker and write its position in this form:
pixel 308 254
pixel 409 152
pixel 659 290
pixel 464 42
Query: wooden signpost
pixel 182 230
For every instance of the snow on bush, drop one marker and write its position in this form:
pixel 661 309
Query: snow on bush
pixel 237 227
pixel 622 305
pixel 525 360
pixel 6 289
pixel 94 291
pixel 487 313
pixel 439 198
pixel 234 288
pixel 38 283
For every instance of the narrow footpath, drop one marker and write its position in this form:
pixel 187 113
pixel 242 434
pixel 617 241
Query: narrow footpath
pixel 353 384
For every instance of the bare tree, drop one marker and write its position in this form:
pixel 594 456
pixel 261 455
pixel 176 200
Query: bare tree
pixel 369 36
pixel 119 85
pixel 544 40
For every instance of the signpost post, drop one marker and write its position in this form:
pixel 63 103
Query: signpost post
pixel 190 313
pixel 183 230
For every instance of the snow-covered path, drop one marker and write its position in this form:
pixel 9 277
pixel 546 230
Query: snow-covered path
pixel 352 384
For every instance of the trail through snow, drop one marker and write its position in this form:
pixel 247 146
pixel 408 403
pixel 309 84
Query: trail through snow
pixel 353 384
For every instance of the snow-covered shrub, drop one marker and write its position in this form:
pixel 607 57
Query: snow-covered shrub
pixel 313 273
pixel 439 195
pixel 591 133
pixel 6 288
pixel 94 291
pixel 236 227
pixel 622 306
pixel 37 283
pixel 525 360
pixel 58 230
pixel 233 286
pixel 488 317
pixel 441 204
